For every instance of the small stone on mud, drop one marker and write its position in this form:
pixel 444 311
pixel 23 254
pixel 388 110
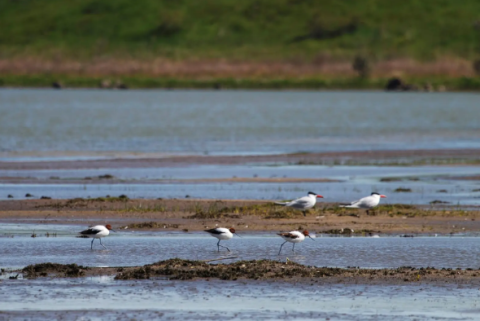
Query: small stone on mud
pixel 439 202
pixel 106 176
pixel 403 190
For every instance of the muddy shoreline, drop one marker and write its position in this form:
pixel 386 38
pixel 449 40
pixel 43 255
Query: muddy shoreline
pixel 264 270
pixel 386 157
pixel 247 216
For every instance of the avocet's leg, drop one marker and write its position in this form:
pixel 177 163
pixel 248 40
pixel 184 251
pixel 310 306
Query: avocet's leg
pixel 281 247
pixel 218 245
pixel 102 244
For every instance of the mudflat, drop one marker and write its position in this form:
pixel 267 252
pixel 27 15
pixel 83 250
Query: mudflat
pixel 386 157
pixel 178 269
pixel 244 215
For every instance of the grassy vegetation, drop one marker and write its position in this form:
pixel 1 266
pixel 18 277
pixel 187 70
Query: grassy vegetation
pixel 151 225
pixel 68 81
pixel 158 82
pixel 306 44
pixel 248 29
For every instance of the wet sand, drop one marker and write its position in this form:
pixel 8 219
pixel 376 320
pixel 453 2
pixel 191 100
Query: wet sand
pixel 112 180
pixel 245 215
pixel 451 156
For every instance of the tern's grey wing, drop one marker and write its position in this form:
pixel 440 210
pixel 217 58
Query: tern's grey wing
pixel 367 202
pixel 356 202
pixel 350 204
pixel 301 203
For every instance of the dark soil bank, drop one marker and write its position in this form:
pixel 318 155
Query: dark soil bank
pixel 178 269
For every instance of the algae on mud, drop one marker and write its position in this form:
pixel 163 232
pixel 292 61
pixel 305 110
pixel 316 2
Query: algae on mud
pixel 252 216
pixel 60 270
pixel 179 269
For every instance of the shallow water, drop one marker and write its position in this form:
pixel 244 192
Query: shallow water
pixel 428 183
pixel 132 248
pixel 88 124
pixel 233 122
pixel 104 299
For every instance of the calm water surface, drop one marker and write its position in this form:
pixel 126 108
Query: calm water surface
pixel 426 183
pixel 234 122
pixel 132 248
pixel 102 298
pixel 50 124
pixel 105 299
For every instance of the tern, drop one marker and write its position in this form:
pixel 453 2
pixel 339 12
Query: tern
pixel 222 233
pixel 367 203
pixel 97 232
pixel 303 203
pixel 293 237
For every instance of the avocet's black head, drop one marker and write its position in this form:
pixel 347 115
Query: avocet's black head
pixel 312 193
pixel 375 193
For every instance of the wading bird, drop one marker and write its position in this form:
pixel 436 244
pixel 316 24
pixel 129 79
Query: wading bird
pixel 303 203
pixel 367 203
pixel 293 237
pixel 222 233
pixel 97 232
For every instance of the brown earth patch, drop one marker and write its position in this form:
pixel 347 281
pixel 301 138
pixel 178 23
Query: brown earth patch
pixel 246 216
pixel 206 68
pixel 178 269
pixel 349 157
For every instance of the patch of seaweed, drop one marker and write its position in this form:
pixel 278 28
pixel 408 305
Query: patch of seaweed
pixel 43 269
pixel 178 269
pixel 403 190
pixel 83 202
pixel 391 207
pixel 152 225
pixel 265 210
pixel 214 211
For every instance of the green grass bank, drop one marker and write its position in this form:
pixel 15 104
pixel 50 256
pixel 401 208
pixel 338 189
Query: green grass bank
pixel 206 44
pixel 247 29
